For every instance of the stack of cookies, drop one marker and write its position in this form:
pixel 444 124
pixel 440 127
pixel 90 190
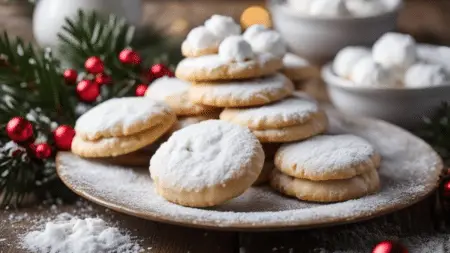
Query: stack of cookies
pixel 119 129
pixel 327 169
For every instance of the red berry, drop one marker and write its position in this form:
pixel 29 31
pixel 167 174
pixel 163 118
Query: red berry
pixel 160 70
pixel 88 91
pixel 389 247
pixel 19 129
pixel 94 65
pixel 63 136
pixel 141 89
pixel 102 78
pixel 70 76
pixel 447 189
pixel 42 151
pixel 128 56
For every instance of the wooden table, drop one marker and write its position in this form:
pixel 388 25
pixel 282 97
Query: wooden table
pixel 157 237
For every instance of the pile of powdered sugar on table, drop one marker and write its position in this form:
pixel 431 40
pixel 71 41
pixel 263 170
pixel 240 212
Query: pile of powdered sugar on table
pixel 70 234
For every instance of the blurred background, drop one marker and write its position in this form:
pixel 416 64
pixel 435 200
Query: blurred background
pixel 427 20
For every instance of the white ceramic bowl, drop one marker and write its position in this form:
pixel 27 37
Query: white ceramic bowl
pixel 320 38
pixel 405 107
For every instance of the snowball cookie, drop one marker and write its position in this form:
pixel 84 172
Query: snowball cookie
pixel 326 191
pixel 214 68
pixel 200 41
pixel 175 93
pixel 368 73
pixel 268 42
pixel 222 26
pixel 346 60
pixel 253 30
pixel 364 8
pixel 235 49
pixel 426 75
pixel 327 157
pixel 327 8
pixel 120 117
pixel 395 51
pixel 287 112
pixel 207 164
pixel 297 68
pixel 243 93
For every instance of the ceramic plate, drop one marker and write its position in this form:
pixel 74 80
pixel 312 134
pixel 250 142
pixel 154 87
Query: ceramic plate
pixel 409 172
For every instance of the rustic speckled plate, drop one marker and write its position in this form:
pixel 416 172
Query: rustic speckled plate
pixel 409 172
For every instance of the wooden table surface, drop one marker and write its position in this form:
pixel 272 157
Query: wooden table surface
pixel 163 238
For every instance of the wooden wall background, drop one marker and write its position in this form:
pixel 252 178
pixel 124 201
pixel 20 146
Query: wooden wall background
pixel 427 20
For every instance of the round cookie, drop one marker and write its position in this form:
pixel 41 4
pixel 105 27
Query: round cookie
pixel 120 117
pixel 298 69
pixel 287 112
pixel 206 164
pixel 326 191
pixel 200 41
pixel 264 176
pixel 242 93
pixel 175 93
pixel 214 68
pixel 316 125
pixel 115 146
pixel 189 51
pixel 327 157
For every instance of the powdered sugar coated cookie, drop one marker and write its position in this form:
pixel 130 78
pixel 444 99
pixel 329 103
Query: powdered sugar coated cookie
pixel 287 112
pixel 121 117
pixel 327 158
pixel 174 92
pixel 200 41
pixel 207 163
pixel 214 68
pixel 242 93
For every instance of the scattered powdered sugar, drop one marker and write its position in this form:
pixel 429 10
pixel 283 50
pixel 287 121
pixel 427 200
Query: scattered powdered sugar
pixel 193 161
pixel 293 109
pixel 247 89
pixel 325 154
pixel 119 112
pixel 166 86
pixel 409 171
pixel 70 234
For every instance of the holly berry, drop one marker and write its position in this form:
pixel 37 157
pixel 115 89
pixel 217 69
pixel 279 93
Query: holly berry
pixel 63 136
pixel 88 91
pixel 141 89
pixel 446 189
pixel 389 247
pixel 94 65
pixel 102 79
pixel 42 150
pixel 128 56
pixel 70 76
pixel 159 70
pixel 19 129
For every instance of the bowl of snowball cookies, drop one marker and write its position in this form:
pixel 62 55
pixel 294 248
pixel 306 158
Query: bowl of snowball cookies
pixel 397 80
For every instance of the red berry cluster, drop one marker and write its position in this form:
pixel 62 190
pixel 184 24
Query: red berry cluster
pixel 21 131
pixel 89 90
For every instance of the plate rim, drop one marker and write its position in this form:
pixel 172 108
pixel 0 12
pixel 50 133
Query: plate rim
pixel 280 226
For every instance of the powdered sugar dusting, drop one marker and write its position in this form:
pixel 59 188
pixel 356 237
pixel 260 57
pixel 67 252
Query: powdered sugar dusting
pixel 210 63
pixel 292 109
pixel 192 161
pixel 325 154
pixel 166 86
pixel 409 171
pixel 291 60
pixel 244 90
pixel 119 112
